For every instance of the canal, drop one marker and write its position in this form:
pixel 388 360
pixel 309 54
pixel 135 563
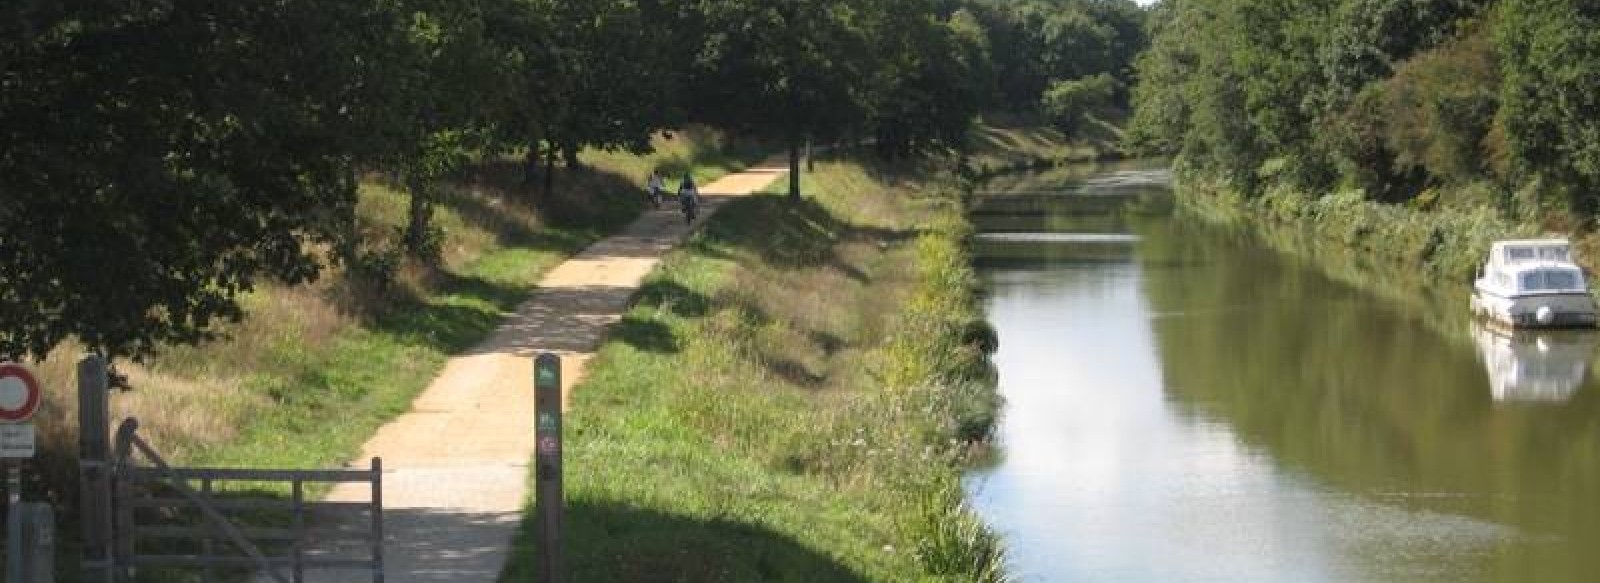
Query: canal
pixel 1185 404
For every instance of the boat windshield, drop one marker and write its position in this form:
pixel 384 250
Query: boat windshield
pixel 1539 252
pixel 1550 280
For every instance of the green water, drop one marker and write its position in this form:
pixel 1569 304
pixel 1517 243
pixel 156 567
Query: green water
pixel 1185 404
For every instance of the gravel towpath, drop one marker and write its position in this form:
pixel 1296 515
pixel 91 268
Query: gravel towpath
pixel 456 465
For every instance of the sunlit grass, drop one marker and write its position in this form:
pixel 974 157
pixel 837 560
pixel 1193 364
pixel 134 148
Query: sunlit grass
pixel 783 402
pixel 1000 144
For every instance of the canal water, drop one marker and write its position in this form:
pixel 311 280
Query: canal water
pixel 1186 404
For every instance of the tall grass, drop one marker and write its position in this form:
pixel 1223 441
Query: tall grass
pixel 791 399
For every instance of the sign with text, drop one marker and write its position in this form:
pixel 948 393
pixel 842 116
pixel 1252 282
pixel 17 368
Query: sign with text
pixel 16 441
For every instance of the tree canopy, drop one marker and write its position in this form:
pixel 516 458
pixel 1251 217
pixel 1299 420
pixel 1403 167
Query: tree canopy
pixel 159 159
pixel 1388 97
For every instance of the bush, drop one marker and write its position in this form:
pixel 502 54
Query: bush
pixel 1070 103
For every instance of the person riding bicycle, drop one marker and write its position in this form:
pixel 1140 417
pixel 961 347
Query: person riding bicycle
pixel 656 185
pixel 688 198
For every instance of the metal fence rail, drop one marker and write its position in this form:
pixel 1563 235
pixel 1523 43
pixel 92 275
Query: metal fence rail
pixel 201 512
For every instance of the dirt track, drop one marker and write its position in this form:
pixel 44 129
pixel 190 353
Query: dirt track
pixel 456 464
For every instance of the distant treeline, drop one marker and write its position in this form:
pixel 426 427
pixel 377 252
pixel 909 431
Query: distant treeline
pixel 1470 103
pixel 158 157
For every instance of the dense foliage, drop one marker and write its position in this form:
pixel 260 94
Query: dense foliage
pixel 1456 102
pixel 160 158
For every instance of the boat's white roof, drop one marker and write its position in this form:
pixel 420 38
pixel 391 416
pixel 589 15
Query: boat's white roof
pixel 1545 264
pixel 1531 242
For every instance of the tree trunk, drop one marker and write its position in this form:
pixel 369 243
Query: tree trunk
pixel 530 164
pixel 569 154
pixel 417 240
pixel 794 172
pixel 549 173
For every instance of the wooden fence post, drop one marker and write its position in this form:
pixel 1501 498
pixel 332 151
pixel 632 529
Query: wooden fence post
pixel 94 468
pixel 549 505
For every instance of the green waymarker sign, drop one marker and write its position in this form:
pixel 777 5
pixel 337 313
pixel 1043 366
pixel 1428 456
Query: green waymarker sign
pixel 544 377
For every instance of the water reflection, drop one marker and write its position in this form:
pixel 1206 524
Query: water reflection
pixel 1535 366
pixel 1363 396
pixel 1185 404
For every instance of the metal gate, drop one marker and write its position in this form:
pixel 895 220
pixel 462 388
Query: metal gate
pixel 140 513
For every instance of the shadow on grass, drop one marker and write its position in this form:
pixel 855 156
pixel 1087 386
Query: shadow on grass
pixel 646 335
pixel 463 311
pixel 584 198
pixel 795 373
pixel 602 542
pixel 613 542
pixel 674 297
pixel 791 235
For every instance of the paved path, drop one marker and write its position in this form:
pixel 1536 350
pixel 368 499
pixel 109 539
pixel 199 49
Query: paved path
pixel 456 465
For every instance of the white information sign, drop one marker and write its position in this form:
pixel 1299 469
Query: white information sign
pixel 16 440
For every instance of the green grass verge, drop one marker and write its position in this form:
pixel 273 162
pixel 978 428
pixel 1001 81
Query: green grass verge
pixel 789 400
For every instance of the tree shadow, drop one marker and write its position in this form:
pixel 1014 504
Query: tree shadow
pixel 794 372
pixel 793 235
pixel 615 542
pixel 582 199
pixel 827 341
pixel 466 310
pixel 601 542
pixel 673 297
pixel 646 335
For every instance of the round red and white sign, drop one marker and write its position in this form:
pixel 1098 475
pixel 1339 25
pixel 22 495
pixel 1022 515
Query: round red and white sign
pixel 19 393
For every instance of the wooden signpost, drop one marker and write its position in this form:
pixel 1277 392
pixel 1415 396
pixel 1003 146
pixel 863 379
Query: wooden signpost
pixel 549 503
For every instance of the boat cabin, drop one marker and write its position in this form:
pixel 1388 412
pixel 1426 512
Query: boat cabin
pixel 1533 267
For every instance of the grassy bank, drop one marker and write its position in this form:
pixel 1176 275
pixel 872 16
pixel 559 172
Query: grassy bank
pixel 1002 143
pixel 1418 246
pixel 789 400
pixel 315 369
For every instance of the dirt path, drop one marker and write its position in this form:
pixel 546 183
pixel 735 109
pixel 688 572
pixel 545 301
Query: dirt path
pixel 456 465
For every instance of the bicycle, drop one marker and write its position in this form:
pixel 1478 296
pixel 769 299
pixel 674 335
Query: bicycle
pixel 690 204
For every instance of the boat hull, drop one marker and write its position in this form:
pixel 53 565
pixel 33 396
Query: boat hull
pixel 1557 310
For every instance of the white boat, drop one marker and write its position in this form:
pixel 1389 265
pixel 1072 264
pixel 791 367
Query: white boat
pixel 1533 284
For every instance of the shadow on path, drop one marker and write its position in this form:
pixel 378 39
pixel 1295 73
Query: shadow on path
pixel 613 542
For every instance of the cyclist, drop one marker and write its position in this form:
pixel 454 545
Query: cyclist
pixel 688 198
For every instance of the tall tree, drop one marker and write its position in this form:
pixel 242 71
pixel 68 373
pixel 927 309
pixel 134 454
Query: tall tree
pixel 788 70
pixel 175 152
pixel 1551 115
pixel 590 73
pixel 930 76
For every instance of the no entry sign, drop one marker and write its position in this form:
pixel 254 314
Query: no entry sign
pixel 19 394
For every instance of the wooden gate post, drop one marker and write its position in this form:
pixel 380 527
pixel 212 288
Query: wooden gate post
pixel 94 468
pixel 549 504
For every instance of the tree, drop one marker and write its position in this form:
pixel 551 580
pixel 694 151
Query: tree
pixel 1550 54
pixel 930 77
pixel 158 159
pixel 788 70
pixel 1069 103
pixel 590 73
